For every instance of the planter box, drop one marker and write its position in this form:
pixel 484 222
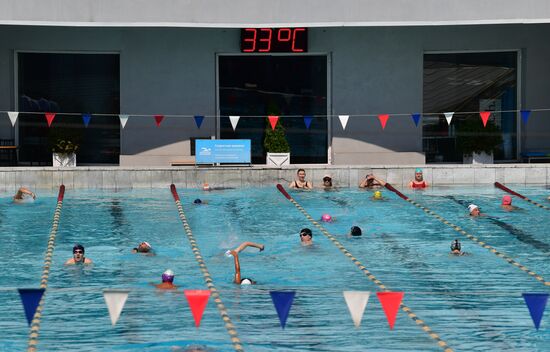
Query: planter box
pixel 481 158
pixel 64 160
pixel 278 159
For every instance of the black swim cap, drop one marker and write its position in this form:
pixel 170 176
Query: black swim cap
pixel 306 231
pixel 455 245
pixel 356 231
pixel 78 246
pixel 197 201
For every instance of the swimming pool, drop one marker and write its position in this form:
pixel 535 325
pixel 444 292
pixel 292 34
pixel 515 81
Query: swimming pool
pixel 472 302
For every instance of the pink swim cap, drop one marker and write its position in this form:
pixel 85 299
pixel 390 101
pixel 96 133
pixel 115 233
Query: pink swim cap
pixel 326 218
pixel 506 200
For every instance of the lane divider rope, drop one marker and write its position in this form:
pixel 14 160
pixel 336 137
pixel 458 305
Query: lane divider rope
pixel 237 345
pixel 35 323
pixel 470 236
pixel 506 189
pixel 441 343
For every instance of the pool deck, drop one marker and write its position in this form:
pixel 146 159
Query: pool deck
pixel 113 177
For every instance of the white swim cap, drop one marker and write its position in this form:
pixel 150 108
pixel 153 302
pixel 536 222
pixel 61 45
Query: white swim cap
pixel 471 207
pixel 168 272
pixel 246 282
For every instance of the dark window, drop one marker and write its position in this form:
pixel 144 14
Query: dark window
pixel 69 83
pixel 289 86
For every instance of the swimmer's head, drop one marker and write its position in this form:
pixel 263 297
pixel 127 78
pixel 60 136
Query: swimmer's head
pixel 305 233
pixel 197 201
pixel 144 247
pixel 78 253
pixel 247 281
pixel 455 246
pixel 473 209
pixel 327 180
pixel 356 231
pixel 377 195
pixel 78 248
pixel 326 218
pixel 205 186
pixel 168 276
pixel 418 175
pixel 506 200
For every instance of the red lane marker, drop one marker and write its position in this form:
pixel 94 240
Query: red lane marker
pixel 393 189
pixel 174 192
pixel 61 194
pixel 506 189
pixel 283 191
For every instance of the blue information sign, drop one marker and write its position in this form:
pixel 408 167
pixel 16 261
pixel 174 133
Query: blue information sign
pixel 212 151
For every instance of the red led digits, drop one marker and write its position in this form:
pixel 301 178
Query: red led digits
pixel 294 48
pixel 247 40
pixel 267 40
pixel 284 34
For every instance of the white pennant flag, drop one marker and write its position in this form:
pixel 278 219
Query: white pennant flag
pixel 13 117
pixel 448 116
pixel 115 300
pixel 343 120
pixel 123 119
pixel 357 302
pixel 234 121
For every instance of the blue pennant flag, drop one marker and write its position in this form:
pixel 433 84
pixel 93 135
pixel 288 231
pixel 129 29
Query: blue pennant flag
pixel 30 297
pixel 525 115
pixel 198 120
pixel 307 120
pixel 86 118
pixel 282 301
pixel 536 302
pixel 416 118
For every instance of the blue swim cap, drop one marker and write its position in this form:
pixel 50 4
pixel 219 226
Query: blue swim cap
pixel 418 171
pixel 197 201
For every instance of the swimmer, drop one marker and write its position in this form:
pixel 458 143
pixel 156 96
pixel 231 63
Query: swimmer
pixel 370 181
pixel 22 195
pixel 377 196
pixel 306 237
pixel 235 253
pixel 167 281
pixel 507 204
pixel 78 256
pixel 355 231
pixel 455 248
pixel 327 218
pixel 418 182
pixel 143 247
pixel 327 182
pixel 474 210
pixel 198 201
pixel 300 182
pixel 205 186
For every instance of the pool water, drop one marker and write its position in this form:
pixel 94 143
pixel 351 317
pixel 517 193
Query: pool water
pixel 472 302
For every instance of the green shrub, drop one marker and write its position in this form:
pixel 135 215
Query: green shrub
pixel 275 140
pixel 472 137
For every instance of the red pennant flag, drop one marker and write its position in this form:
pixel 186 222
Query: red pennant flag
pixel 485 117
pixel 49 117
pixel 197 300
pixel 390 303
pixel 273 121
pixel 158 119
pixel 383 119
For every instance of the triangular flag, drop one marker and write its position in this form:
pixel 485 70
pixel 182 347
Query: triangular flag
pixel 416 119
pixel 390 303
pixel 383 119
pixel 123 119
pixel 30 297
pixel 198 120
pixel 49 118
pixel 273 121
pixel 86 118
pixel 525 115
pixel 197 299
pixel 115 300
pixel 448 116
pixel 343 120
pixel 307 121
pixel 536 302
pixel 158 119
pixel 13 117
pixel 282 301
pixel 485 117
pixel 234 121
pixel 357 302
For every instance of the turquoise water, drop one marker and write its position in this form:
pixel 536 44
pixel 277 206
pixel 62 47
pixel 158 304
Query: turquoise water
pixel 473 302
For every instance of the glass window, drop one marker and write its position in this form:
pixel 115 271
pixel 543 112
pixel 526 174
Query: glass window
pixel 289 86
pixel 468 82
pixel 73 84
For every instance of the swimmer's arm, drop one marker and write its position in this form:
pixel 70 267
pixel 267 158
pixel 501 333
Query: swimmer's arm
pixel 237 279
pixel 87 261
pixel 309 185
pixel 249 244
pixel 380 182
pixel 69 261
pixel 26 191
pixel 363 183
pixel 411 184
pixel 292 184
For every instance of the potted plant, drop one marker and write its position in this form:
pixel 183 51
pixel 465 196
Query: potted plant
pixel 276 145
pixel 476 142
pixel 64 146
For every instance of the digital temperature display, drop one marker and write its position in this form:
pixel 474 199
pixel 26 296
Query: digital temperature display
pixel 274 40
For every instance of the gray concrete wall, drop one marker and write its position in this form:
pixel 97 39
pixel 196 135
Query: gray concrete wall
pixel 242 13
pixel 373 70
pixel 122 178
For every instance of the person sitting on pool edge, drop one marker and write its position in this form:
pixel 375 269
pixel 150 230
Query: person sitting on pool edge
pixel 300 182
pixel 143 247
pixel 78 256
pixel 370 181
pixel 456 248
pixel 235 253
pixel 418 182
pixel 306 237
pixel 167 281
pixel 22 195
